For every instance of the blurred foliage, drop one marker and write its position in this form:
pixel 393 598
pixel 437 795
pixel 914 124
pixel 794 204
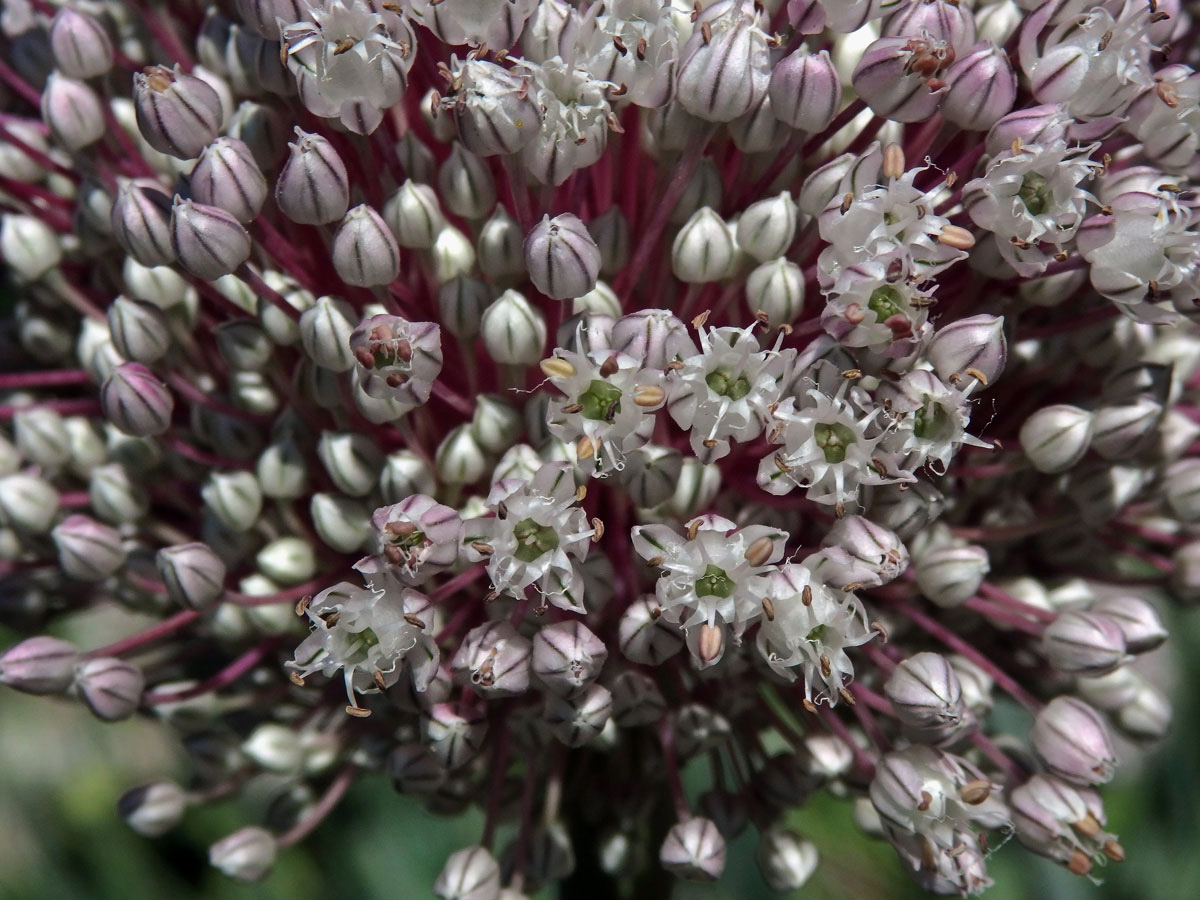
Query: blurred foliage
pixel 63 773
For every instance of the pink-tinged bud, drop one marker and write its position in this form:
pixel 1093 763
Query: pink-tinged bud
pixel 694 850
pixel 111 688
pixel 153 809
pixel 645 637
pixel 313 188
pixel 1084 643
pixel 898 77
pixel 759 131
pixel 494 108
pixel 562 259
pixel 178 114
pixel 136 402
pixel 227 176
pixel 141 223
pixel 1139 621
pixel 246 855
pixel 73 112
pixel 724 68
pixel 264 16
pixel 87 550
pixel 1033 125
pixel 969 348
pixel 578 720
pixel 1055 437
pixel 927 697
pixel 805 91
pixel 941 20
pixel 365 254
pixel 81 46
pixel 980 88
pixel 493 660
pixel 193 573
pixel 39 665
pixel 1060 74
pixel 567 656
pixel 654 337
pixel 470 874
pixel 877 549
pixel 208 241
pixel 1046 814
pixel 1072 740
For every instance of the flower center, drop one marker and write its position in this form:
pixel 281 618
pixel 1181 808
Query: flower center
pixel 726 384
pixel 601 401
pixel 817 635
pixel 886 302
pixel 833 438
pixel 714 583
pixel 1035 193
pixel 931 422
pixel 533 540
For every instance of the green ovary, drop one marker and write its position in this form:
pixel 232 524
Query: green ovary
pixel 735 387
pixel 886 302
pixel 601 401
pixel 533 540
pixel 1035 194
pixel 930 422
pixel 714 583
pixel 817 635
pixel 833 438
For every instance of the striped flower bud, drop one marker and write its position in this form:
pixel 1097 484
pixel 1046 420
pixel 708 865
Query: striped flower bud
pixel 153 809
pixel 1084 643
pixel 208 241
pixel 87 550
pixel 1055 437
pixel 562 259
pixel 470 874
pixel 111 688
pixel 193 573
pixel 1073 742
pixel 73 112
pixel 414 215
pixel 896 76
pixel 246 855
pixel 567 656
pixel 704 249
pixel 694 850
pixel 227 176
pixel 980 88
pixel 139 330
pixel 579 719
pixel 494 108
pixel 39 665
pixel 513 331
pixel 141 223
pixel 81 46
pixel 724 68
pixel 365 253
pixel 136 402
pixel 805 91
pixel 178 114
pixel 313 187
pixel 466 184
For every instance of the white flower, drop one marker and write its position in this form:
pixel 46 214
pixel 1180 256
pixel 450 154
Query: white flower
pixel 418 537
pixel 574 130
pixel 608 408
pixel 1031 200
pixel 369 633
pixel 808 627
pixel 536 537
pixel 874 307
pixel 714 578
pixel 931 419
pixel 631 43
pixel 723 393
pixel 349 63
pixel 397 359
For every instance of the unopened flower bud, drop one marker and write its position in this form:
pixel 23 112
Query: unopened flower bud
pixel 87 550
pixel 513 331
pixel 494 108
pixel 466 185
pixel 694 850
pixel 29 246
pixel 949 576
pixel 461 302
pixel 193 573
pixel 234 498
pixel 610 230
pixel 651 474
pixel 704 249
pixel 178 114
pixel 227 176
pixel 927 697
pixel 896 78
pixel 578 720
pixel 41 436
pixel 414 770
pixel 28 503
pixel 136 402
pixel 805 90
pixel 81 46
pixel 282 470
pixel 39 665
pixel 139 330
pixel 1147 716
pixel 341 522
pixel 459 458
pixel 654 337
pixel 111 688
pixel 1031 125
pixel 766 229
pixel 325 330
pixel 470 874
pixel 452 255
pixel 73 112
pixel 567 656
pixel 352 460
pixel 496 423
pixel 208 241
pixel 141 224
pixel 785 859
pixel 1060 73
pixel 704 188
pixel 981 88
pixel 494 660
pixel 313 187
pixel 246 855
pixel 1055 437
pixel 1139 621
pixel 1123 430
pixel 414 215
pixel 287 560
pixel 1072 740
pixel 1084 643
pixel 153 809
pixel 562 259
pixel 968 348
pixel 365 253
pixel 724 68
pixel 452 735
pixel 876 547
pixel 405 473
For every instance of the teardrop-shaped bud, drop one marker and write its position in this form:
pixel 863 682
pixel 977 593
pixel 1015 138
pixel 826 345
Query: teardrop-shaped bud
pixel 73 112
pixel 227 176
pixel 81 46
pixel 208 241
pixel 141 223
pixel 805 90
pixel 193 573
pixel 365 253
pixel 178 114
pixel 136 402
pixel 562 259
pixel 313 187
pixel 111 688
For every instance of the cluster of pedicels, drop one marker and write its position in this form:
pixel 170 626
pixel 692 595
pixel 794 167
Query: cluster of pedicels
pixel 628 416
